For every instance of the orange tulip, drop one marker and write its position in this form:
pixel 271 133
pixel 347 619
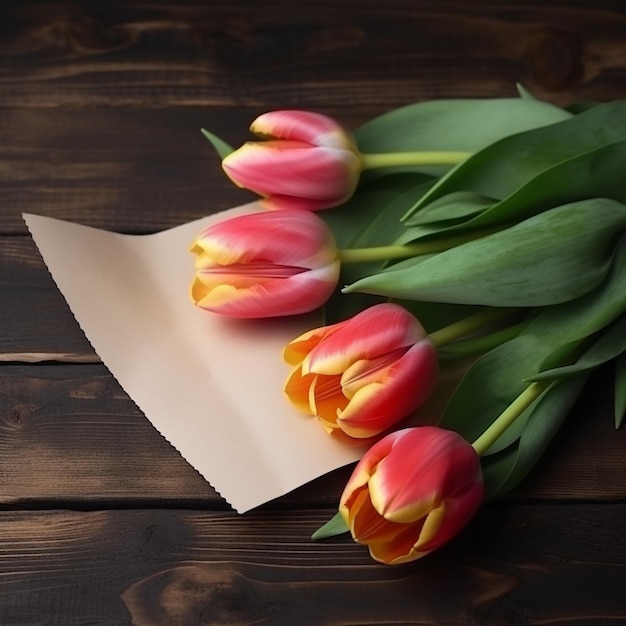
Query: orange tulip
pixel 411 492
pixel 362 375
pixel 265 264
pixel 307 161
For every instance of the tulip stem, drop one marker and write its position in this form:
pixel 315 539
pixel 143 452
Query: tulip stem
pixel 387 253
pixel 464 327
pixel 392 159
pixel 509 415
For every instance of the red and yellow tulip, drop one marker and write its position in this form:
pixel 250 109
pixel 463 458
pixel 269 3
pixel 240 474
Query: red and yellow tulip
pixel 364 374
pixel 265 264
pixel 412 492
pixel 306 161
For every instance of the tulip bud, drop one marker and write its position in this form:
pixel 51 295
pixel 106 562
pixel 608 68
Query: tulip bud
pixel 411 492
pixel 362 375
pixel 265 264
pixel 308 161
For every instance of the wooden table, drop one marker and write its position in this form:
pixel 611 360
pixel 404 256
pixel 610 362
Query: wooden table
pixel 101 521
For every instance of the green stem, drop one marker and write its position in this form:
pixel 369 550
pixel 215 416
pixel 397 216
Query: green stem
pixel 509 415
pixel 387 253
pixel 468 325
pixel 391 159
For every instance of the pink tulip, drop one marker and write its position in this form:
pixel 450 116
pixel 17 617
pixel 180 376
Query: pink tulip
pixel 265 264
pixel 308 161
pixel 411 492
pixel 362 375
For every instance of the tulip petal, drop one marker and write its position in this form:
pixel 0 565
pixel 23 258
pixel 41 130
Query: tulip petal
pixel 366 467
pixel 278 202
pixel 375 331
pixel 433 464
pixel 297 390
pixel 297 349
pixel 432 526
pixel 306 126
pixel 326 399
pixel 366 524
pixel 294 169
pixel 291 238
pixel 301 293
pixel 459 510
pixel 376 406
pixel 400 549
pixel 368 371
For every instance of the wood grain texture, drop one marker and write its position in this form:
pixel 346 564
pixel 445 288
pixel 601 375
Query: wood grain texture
pixel 129 171
pixel 512 565
pixel 34 317
pixel 322 53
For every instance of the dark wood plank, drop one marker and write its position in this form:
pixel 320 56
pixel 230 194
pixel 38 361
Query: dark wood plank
pixel 36 321
pixel 72 434
pixel 68 433
pixel 130 171
pixel 319 53
pixel 512 565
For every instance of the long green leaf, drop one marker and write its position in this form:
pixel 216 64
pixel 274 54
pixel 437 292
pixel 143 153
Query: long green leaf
pixel 457 124
pixel 607 347
pixel 501 168
pixel 543 419
pixel 490 385
pixel 574 320
pixel 552 257
pixel 549 336
pixel 597 173
pixel 460 205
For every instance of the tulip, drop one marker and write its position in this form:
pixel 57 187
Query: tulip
pixel 362 375
pixel 411 492
pixel 265 264
pixel 308 161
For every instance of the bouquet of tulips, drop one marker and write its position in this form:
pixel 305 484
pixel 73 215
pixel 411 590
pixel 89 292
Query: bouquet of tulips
pixel 487 233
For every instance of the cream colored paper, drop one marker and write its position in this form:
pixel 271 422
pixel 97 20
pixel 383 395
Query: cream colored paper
pixel 212 386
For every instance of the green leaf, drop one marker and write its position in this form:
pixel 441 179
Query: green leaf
pixel 620 389
pixel 501 168
pixel 351 222
pixel 574 320
pixel 552 257
pixel 549 336
pixel 594 174
pixel 490 385
pixel 334 526
pixel 457 124
pixel 453 207
pixel 609 346
pixel 221 147
pixel 543 419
